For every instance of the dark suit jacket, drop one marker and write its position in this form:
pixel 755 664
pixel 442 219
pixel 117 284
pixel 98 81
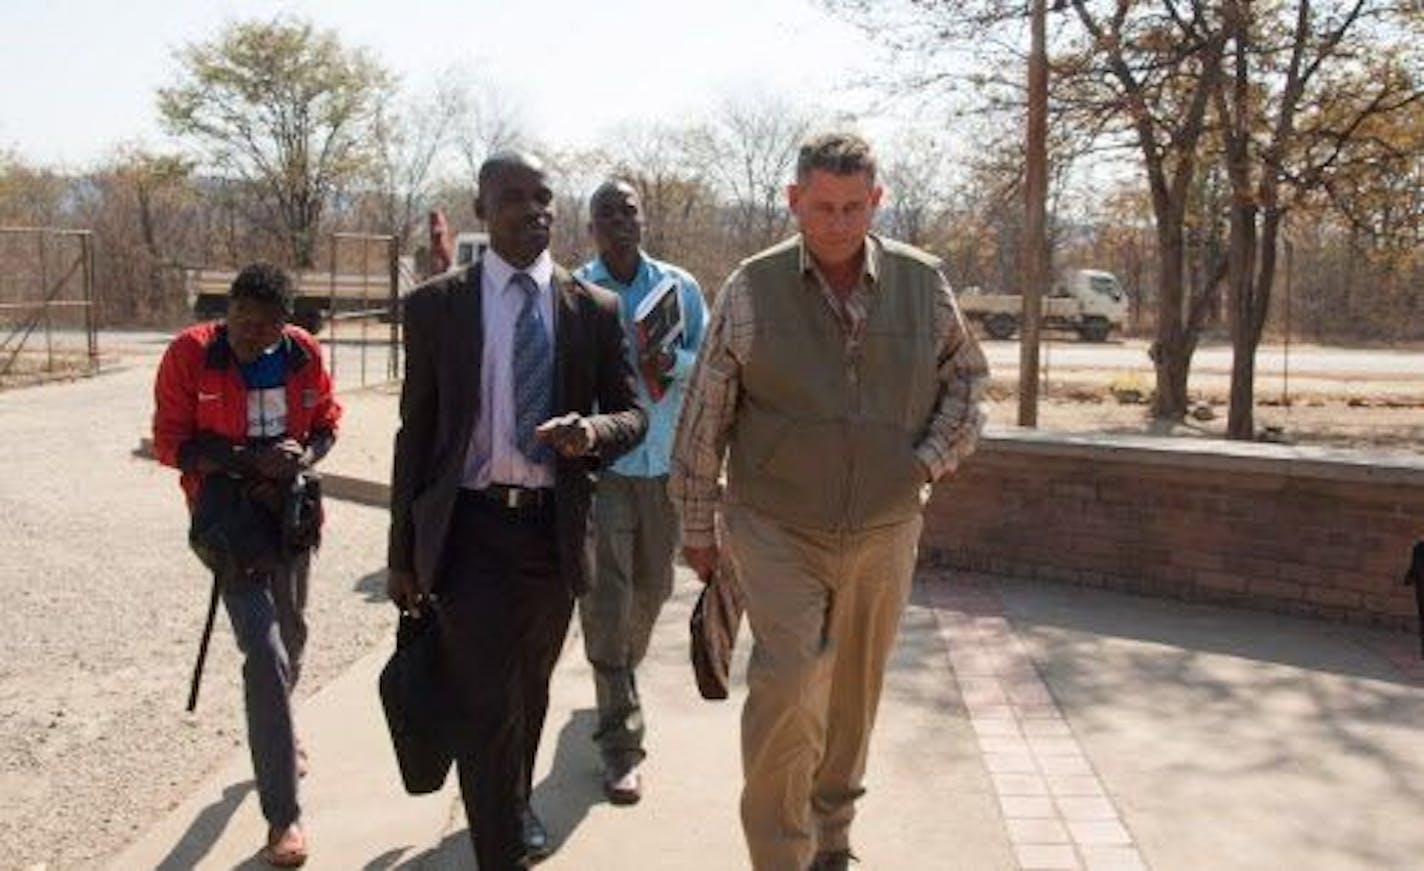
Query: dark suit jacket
pixel 440 399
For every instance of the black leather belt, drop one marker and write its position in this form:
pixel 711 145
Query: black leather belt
pixel 517 498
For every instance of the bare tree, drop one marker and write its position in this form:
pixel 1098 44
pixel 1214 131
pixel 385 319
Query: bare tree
pixel 142 220
pixel 1125 73
pixel 915 176
pixel 1152 69
pixel 1306 87
pixel 484 119
pixel 410 141
pixel 667 168
pixel 749 151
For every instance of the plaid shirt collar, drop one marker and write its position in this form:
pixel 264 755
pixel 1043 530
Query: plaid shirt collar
pixel 871 267
pixel 853 309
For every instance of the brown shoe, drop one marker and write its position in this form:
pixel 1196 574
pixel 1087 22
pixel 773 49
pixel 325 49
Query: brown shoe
pixel 624 790
pixel 286 848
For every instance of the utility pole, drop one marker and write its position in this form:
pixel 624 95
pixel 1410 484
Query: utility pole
pixel 1033 269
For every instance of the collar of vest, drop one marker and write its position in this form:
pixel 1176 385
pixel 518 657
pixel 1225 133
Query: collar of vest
pixel 870 264
pixel 219 353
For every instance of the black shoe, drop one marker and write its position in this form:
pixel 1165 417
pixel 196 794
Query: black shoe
pixel 833 860
pixel 535 838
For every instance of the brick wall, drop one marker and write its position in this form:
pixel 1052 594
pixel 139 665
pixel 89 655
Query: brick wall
pixel 1297 530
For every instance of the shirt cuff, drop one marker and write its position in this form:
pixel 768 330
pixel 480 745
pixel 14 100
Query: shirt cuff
pixel 937 463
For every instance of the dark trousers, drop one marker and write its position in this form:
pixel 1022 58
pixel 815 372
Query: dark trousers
pixel 504 612
pixel 268 618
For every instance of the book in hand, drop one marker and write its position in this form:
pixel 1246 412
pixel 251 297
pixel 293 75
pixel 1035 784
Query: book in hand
pixel 658 321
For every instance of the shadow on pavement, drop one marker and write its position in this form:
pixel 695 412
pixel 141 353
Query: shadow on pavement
pixel 573 785
pixel 372 586
pixel 453 853
pixel 206 828
pixel 562 800
pixel 1195 694
pixel 1199 628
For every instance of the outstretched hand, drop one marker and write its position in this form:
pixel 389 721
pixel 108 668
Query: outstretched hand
pixel 570 435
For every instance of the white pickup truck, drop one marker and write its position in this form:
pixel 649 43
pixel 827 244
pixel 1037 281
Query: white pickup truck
pixel 1089 302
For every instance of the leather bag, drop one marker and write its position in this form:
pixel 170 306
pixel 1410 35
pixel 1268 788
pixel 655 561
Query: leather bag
pixel 417 702
pixel 715 621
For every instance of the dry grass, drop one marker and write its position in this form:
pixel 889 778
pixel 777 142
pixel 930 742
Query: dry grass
pixel 38 367
pixel 1332 418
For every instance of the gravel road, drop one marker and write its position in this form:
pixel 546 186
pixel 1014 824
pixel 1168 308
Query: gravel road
pixel 103 607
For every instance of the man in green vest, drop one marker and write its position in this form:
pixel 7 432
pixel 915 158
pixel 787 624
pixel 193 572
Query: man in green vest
pixel 838 380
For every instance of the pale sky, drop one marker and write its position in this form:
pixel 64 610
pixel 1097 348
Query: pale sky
pixel 78 77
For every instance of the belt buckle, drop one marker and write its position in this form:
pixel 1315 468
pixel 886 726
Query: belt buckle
pixel 511 498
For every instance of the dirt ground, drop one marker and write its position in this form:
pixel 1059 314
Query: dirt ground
pixel 104 604
pixel 1329 412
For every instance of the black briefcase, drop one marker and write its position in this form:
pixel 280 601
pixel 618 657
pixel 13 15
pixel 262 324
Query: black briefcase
pixel 418 705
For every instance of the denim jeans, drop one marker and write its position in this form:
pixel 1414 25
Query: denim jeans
pixel 267 611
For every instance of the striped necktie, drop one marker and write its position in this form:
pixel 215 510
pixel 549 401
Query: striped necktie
pixel 533 372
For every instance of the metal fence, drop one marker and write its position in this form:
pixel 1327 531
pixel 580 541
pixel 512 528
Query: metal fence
pixel 366 275
pixel 351 302
pixel 48 324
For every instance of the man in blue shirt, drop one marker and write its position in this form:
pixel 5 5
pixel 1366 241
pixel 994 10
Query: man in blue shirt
pixel 635 527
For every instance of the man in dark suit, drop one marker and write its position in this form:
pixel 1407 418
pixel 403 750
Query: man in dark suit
pixel 505 362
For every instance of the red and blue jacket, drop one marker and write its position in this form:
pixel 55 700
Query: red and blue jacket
pixel 199 392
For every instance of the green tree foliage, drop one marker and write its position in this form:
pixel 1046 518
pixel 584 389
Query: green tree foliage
pixel 284 107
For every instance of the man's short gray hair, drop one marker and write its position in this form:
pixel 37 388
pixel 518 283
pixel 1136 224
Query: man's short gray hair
pixel 836 153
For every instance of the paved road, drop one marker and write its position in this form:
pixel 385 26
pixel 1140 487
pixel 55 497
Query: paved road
pixel 1394 369
pixel 1314 360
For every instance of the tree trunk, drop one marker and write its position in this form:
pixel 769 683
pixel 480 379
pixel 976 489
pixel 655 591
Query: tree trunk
pixel 156 302
pixel 1234 106
pixel 1241 416
pixel 1171 352
pixel 1240 420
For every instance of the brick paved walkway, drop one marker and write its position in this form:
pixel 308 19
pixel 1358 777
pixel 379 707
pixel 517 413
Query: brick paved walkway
pixel 1056 811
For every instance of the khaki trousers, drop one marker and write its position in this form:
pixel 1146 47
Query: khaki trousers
pixel 635 531
pixel 824 610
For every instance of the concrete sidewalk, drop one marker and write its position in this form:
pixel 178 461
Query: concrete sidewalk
pixel 1024 725
pixel 932 802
